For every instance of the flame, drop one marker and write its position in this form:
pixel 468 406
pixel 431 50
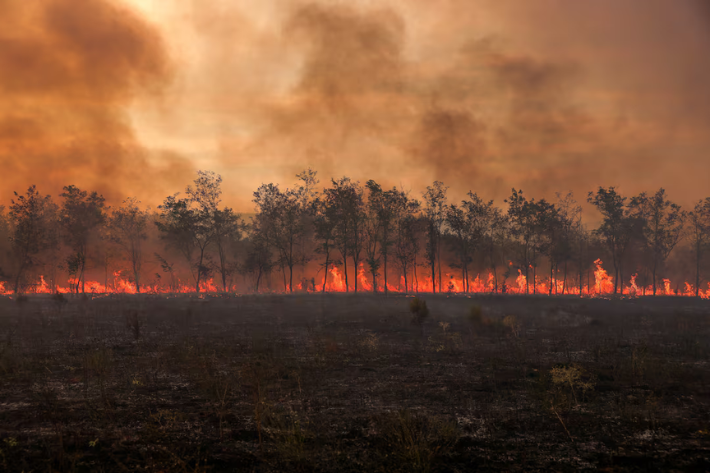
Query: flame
pixel 521 280
pixel 335 282
pixel 603 283
pixel 667 287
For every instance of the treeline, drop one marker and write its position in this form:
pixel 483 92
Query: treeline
pixel 297 235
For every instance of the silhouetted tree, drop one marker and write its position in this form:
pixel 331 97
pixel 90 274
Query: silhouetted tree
pixel 81 214
pixel 618 227
pixel 128 229
pixel 699 223
pixel 325 221
pixel 469 225
pixel 662 228
pixel 288 212
pixel 435 215
pixel 345 198
pixel 229 228
pixel 188 224
pixel 372 229
pixel 386 205
pixel 569 213
pixel 30 217
pixel 524 225
pixel 405 236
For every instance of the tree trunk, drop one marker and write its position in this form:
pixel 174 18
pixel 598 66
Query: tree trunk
pixel 653 277
pixel 438 256
pixel 416 277
pixel 327 262
pixel 20 270
pixel 385 269
pixel 697 268
pixel 564 281
pixel 345 270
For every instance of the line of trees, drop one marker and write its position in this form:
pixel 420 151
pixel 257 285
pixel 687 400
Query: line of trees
pixel 372 234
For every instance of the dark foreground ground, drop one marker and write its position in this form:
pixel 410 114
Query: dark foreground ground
pixel 345 383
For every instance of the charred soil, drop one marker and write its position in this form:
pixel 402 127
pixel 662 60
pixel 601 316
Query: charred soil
pixel 354 383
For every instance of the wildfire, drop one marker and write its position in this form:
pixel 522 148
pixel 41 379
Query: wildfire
pixel 335 282
pixel 603 283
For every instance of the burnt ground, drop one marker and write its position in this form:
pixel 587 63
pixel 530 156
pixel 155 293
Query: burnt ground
pixel 353 383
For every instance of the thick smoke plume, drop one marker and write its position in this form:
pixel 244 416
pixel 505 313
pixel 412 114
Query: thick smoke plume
pixel 69 71
pixel 485 95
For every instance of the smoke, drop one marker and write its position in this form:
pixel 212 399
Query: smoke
pixel 69 74
pixel 485 95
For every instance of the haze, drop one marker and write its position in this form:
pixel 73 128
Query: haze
pixel 131 98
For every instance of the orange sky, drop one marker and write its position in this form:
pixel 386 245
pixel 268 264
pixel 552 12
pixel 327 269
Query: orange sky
pixel 130 98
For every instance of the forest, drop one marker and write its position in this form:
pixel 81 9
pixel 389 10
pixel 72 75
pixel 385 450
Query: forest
pixel 346 236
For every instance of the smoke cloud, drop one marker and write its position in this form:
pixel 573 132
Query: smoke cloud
pixel 69 74
pixel 485 95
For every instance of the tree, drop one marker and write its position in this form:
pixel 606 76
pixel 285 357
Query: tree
pixel 569 213
pixel 468 225
pixel 384 206
pixel 662 227
pixel 524 225
pixel 618 227
pixel 284 215
pixel 127 228
pixel 188 224
pixel 461 235
pixel 548 235
pixel 81 214
pixel 345 198
pixel 30 218
pixel 258 257
pixel 435 215
pixel 325 221
pixel 496 241
pixel 405 241
pixel 372 230
pixel 229 228
pixel 699 219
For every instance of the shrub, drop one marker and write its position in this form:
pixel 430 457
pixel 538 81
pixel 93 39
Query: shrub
pixel 419 310
pixel 475 315
pixel 416 441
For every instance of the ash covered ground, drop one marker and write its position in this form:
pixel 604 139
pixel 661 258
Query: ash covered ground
pixel 354 383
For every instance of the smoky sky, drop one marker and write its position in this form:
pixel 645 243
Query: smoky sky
pixel 131 98
pixel 68 74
